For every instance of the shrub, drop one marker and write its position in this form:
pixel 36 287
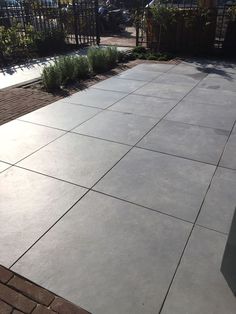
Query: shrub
pixel 65 70
pixel 65 65
pixel 98 60
pixel 50 41
pixel 51 77
pixel 112 56
pixel 81 69
pixel 125 56
pixel 139 50
pixel 102 59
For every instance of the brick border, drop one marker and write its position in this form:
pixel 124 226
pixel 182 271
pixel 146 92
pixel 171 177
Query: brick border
pixel 20 100
pixel 19 295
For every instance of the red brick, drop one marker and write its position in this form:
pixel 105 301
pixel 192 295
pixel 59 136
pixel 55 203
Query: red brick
pixel 16 299
pixel 5 274
pixel 31 290
pixel 5 308
pixel 40 309
pixel 62 306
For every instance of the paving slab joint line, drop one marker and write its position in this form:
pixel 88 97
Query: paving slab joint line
pixel 195 223
pixel 98 179
pixel 71 130
pixel 69 182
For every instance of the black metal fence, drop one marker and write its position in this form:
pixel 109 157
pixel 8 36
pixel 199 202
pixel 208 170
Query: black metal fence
pixel 71 22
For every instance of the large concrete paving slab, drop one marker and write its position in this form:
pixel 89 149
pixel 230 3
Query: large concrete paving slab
pixel 117 126
pixel 76 158
pixel 139 75
pixel 112 257
pixel 201 114
pixel 95 98
pixel 171 185
pixel 146 106
pixel 219 205
pixel 229 157
pixel 176 92
pixel 185 140
pixel 224 98
pixel 30 204
pixel 61 115
pixel 20 139
pixel 119 85
pixel 199 286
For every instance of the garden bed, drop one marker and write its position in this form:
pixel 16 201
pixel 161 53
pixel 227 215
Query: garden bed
pixel 33 96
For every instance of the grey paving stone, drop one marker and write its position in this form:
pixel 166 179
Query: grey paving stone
pixel 116 257
pixel 198 72
pixel 199 286
pixel 61 115
pixel 176 92
pixel 19 139
pixel 144 105
pixel 219 205
pixel 194 142
pixel 4 166
pixel 229 157
pixel 178 79
pixel 201 114
pixel 117 126
pixel 119 85
pixel 168 184
pixel 219 82
pixel 76 158
pixel 139 75
pixel 30 204
pixel 222 98
pixel 95 98
pixel 156 67
pixel 213 66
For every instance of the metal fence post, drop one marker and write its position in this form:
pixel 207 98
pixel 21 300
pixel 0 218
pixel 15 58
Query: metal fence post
pixel 137 21
pixel 97 21
pixel 75 21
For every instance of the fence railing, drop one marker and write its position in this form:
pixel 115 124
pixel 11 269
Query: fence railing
pixel 73 22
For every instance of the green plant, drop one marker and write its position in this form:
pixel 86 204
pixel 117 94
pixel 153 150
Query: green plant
pixel 98 60
pixel 125 56
pixel 66 67
pixel 102 59
pixel 51 77
pixel 50 41
pixel 139 49
pixel 66 70
pixel 81 67
pixel 112 56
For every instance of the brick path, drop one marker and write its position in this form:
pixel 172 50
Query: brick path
pixel 18 101
pixel 18 295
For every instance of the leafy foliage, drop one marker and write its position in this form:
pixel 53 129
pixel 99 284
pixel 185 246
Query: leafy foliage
pixel 144 54
pixel 51 77
pixel 101 60
pixel 66 70
pixel 98 60
pixel 18 43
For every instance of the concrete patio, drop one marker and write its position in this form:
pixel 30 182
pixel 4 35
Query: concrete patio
pixel 120 197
